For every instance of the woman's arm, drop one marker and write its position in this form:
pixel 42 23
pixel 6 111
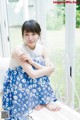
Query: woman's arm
pixel 28 68
pixel 35 73
pixel 25 57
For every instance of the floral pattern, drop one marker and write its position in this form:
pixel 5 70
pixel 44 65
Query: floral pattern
pixel 22 93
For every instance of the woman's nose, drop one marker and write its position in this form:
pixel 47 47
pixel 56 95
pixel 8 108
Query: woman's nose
pixel 30 37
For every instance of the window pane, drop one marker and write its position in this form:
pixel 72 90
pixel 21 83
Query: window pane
pixel 1 53
pixel 32 9
pixel 15 20
pixel 55 24
pixel 16 14
pixel 77 54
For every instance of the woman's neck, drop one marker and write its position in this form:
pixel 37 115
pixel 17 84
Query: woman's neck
pixel 30 47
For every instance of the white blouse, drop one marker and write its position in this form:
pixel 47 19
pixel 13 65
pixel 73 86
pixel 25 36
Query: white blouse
pixel 37 51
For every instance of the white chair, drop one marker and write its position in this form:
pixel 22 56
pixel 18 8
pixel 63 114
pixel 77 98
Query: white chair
pixel 66 113
pixel 4 64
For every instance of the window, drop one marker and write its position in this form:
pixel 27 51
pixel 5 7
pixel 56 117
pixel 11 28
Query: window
pixel 58 35
pixel 77 54
pixel 1 53
pixel 55 42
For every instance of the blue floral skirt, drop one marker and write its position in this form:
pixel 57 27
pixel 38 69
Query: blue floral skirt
pixel 22 93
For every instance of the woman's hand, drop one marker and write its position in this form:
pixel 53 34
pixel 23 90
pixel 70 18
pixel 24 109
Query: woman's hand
pixel 26 57
pixel 52 68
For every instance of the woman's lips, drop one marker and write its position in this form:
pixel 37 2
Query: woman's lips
pixel 30 42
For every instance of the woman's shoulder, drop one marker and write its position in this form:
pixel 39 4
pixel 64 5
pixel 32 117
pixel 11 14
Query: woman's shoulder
pixel 17 49
pixel 39 46
pixel 44 50
pixel 20 46
pixel 42 47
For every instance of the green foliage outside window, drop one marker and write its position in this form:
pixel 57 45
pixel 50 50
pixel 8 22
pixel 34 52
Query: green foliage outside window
pixel 56 17
pixel 78 15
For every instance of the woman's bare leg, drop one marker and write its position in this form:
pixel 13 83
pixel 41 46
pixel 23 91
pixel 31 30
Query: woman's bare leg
pixel 38 107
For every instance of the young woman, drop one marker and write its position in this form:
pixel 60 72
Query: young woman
pixel 27 85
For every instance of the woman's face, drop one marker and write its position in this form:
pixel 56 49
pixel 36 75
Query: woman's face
pixel 30 39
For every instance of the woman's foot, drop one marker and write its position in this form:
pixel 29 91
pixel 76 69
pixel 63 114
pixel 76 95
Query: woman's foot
pixel 38 107
pixel 53 106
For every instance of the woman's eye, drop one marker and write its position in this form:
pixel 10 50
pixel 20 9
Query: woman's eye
pixel 26 34
pixel 34 34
